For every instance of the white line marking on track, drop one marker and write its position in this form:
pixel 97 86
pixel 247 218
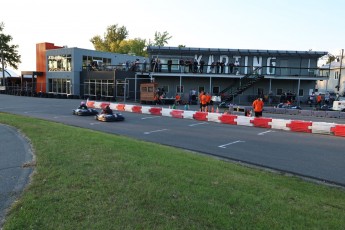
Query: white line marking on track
pixel 269 131
pixel 149 117
pixel 94 123
pixel 155 131
pixel 231 143
pixel 202 123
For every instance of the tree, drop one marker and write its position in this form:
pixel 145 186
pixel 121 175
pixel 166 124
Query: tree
pixel 330 58
pixel 115 40
pixel 135 46
pixel 161 39
pixel 9 53
pixel 181 46
pixel 111 40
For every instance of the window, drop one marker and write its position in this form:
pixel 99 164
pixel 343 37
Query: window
pixel 179 90
pixel 336 75
pixel 301 93
pixel 60 63
pixel 165 88
pixel 260 91
pixel 59 86
pixel 215 90
pixel 279 92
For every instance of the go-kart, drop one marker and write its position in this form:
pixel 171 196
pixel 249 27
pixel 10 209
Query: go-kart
pixel 288 106
pixel 85 112
pixel 110 117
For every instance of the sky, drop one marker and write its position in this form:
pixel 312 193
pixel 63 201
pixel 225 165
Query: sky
pixel 298 25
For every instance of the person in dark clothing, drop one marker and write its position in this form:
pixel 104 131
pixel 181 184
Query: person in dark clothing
pixel 169 65
pixel 107 110
pixel 202 64
pixel 82 105
pixel 195 66
pixel 231 67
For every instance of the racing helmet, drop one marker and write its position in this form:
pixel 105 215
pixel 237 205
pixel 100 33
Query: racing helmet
pixel 82 103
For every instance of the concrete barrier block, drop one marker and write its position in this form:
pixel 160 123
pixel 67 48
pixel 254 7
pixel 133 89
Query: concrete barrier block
pixel 342 115
pixel 305 112
pixel 268 110
pixel 333 114
pixel 292 111
pixel 279 110
pixel 319 113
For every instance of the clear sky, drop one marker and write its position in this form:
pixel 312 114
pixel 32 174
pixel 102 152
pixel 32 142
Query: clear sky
pixel 234 24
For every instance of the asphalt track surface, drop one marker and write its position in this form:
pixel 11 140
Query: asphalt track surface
pixel 313 156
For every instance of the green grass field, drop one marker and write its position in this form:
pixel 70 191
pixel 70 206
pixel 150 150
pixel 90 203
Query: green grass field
pixel 86 179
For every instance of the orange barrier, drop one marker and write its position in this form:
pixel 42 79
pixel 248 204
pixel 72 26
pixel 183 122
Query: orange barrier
pixel 177 113
pixel 338 130
pixel 136 109
pixel 120 107
pixel 104 104
pixel 200 116
pixel 90 104
pixel 261 122
pixel 228 119
pixel 156 111
pixel 300 126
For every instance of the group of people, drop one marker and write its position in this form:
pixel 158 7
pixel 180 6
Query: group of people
pixel 205 101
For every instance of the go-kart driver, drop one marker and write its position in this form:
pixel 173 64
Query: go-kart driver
pixel 82 105
pixel 107 110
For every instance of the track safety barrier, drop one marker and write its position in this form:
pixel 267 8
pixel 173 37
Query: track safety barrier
pixel 300 126
pixel 232 119
pixel 228 119
pixel 136 109
pixel 338 130
pixel 177 113
pixel 214 117
pixel 200 116
pixel 261 122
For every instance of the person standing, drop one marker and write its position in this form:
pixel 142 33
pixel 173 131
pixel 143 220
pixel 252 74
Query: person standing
pixel 169 65
pixel 258 106
pixel 202 64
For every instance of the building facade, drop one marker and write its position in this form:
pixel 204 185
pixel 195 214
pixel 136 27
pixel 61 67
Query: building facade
pixel 237 74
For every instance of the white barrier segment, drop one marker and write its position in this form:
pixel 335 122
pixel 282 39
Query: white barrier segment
pixel 188 114
pixel 322 127
pixel 166 112
pixel 97 104
pixel 214 117
pixel 113 106
pixel 279 124
pixel 145 109
pixel 128 108
pixel 243 120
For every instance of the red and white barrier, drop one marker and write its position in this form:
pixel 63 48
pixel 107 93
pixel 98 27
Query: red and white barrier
pixel 280 124
pixel 231 119
pixel 213 117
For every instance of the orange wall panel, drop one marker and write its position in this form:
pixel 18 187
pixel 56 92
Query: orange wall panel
pixel 41 63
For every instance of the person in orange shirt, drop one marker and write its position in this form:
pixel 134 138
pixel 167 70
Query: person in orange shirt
pixel 208 102
pixel 177 99
pixel 203 101
pixel 258 106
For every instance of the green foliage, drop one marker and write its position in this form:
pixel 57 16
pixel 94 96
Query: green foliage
pixel 161 38
pixel 9 51
pixel 115 40
pixel 111 40
pixel 330 58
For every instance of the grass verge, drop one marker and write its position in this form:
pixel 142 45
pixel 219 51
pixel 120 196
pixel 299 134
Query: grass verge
pixel 90 180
